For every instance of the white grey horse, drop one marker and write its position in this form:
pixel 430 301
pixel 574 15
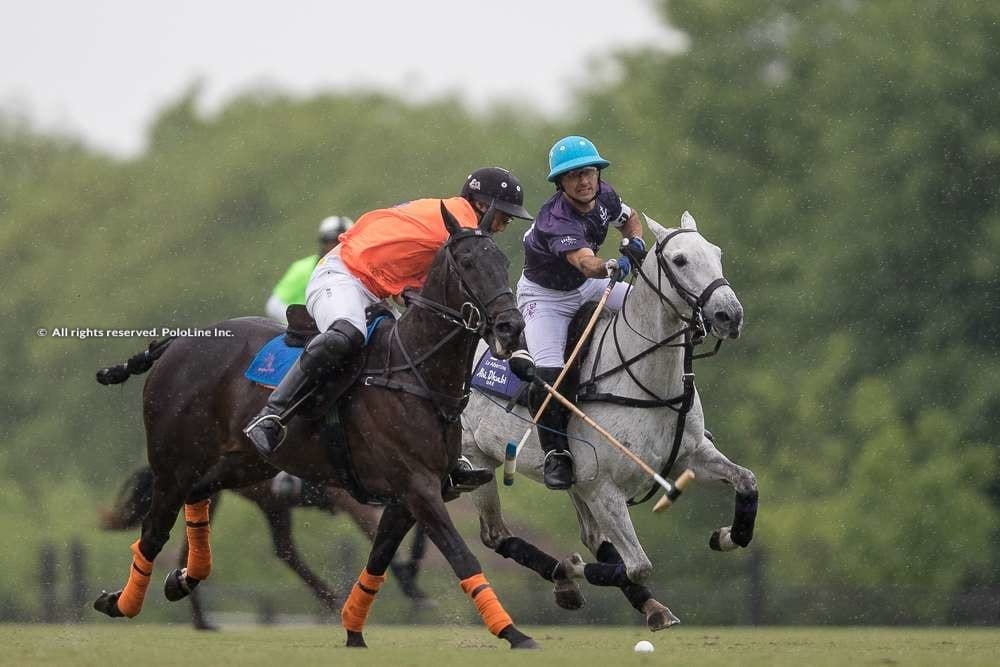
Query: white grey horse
pixel 680 290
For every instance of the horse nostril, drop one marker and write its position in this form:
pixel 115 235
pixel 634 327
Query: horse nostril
pixel 722 316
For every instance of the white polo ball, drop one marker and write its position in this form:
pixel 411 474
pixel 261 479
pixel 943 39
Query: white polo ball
pixel 644 647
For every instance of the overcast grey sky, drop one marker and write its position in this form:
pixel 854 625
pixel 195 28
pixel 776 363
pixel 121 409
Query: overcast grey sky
pixel 100 69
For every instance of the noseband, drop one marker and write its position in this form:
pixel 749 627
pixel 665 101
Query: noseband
pixel 696 301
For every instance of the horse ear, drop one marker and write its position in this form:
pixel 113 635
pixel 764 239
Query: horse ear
pixel 687 221
pixel 450 223
pixel 658 230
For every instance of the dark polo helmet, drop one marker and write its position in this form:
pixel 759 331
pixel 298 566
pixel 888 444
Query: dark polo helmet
pixel 497 186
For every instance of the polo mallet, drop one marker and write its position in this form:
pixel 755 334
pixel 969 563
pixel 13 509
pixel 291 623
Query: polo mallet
pixel 672 489
pixel 510 455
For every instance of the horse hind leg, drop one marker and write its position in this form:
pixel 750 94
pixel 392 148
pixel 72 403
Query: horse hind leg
pixel 494 534
pixel 230 471
pixel 168 496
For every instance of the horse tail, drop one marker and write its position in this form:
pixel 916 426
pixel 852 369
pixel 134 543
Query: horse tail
pixel 133 502
pixel 136 365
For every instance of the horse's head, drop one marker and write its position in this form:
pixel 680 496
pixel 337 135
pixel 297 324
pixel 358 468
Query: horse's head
pixel 473 275
pixel 693 268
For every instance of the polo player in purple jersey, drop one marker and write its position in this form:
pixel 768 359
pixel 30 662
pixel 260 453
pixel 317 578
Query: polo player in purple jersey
pixel 562 271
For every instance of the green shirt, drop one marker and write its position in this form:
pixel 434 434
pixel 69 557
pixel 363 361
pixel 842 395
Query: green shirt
pixel 292 286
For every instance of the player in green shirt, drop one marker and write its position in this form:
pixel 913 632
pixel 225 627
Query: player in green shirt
pixel 291 289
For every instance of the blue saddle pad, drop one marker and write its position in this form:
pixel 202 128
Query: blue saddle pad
pixel 275 358
pixel 494 376
pixel 272 362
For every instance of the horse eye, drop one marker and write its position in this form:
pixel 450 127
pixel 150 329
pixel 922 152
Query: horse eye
pixel 680 260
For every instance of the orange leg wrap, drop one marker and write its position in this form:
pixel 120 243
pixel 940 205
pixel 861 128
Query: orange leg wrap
pixel 130 600
pixel 494 615
pixel 199 562
pixel 359 602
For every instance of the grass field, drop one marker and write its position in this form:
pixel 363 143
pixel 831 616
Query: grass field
pixel 570 646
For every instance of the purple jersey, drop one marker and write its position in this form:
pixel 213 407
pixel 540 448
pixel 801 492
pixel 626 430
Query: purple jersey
pixel 560 228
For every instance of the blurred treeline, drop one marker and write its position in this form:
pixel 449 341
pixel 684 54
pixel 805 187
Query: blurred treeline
pixel 845 155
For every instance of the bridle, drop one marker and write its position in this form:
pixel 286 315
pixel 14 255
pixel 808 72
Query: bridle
pixel 474 314
pixel 693 333
pixel 473 317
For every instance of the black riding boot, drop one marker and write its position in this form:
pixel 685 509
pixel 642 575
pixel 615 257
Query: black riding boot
pixel 328 352
pixel 552 435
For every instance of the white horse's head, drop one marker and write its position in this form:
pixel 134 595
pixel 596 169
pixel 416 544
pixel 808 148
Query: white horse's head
pixel 693 268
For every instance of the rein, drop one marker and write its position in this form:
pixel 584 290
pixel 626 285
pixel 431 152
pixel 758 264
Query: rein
pixel 692 334
pixel 473 317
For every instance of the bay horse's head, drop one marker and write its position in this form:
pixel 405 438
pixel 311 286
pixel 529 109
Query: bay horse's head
pixel 470 275
pixel 692 266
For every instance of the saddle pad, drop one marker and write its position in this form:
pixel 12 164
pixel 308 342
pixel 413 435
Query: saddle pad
pixel 494 376
pixel 272 362
pixel 276 357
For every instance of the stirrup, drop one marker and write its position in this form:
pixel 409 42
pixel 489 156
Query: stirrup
pixel 258 421
pixel 556 454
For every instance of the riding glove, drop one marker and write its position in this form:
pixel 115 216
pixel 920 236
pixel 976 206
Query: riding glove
pixel 634 248
pixel 522 365
pixel 618 269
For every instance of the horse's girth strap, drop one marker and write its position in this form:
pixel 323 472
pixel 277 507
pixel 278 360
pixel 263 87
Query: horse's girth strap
pixel 481 592
pixel 198 531
pixel 130 600
pixel 359 602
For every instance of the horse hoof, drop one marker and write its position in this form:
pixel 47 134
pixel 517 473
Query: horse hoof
pixel 107 603
pixel 721 540
pixel 528 643
pixel 568 595
pixel 178 585
pixel 658 617
pixel 355 640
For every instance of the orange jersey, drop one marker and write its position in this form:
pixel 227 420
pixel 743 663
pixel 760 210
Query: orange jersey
pixel 392 249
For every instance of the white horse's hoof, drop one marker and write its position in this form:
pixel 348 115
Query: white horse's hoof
pixel 722 540
pixel 658 617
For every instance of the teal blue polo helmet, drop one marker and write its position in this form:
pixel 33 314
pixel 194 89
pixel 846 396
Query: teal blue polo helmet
pixel 572 153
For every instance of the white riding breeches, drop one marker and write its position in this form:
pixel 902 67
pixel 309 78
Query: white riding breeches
pixel 548 312
pixel 334 293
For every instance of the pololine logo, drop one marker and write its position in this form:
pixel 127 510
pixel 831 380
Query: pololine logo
pixel 567 240
pixel 474 184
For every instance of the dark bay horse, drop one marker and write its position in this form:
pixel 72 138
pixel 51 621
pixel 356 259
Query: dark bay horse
pixel 136 495
pixel 401 420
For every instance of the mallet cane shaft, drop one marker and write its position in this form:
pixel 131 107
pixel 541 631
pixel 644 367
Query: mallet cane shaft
pixel 510 456
pixel 672 489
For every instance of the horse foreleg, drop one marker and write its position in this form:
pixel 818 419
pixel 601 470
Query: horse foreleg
pixel 425 502
pixel 366 518
pixel 168 496
pixel 605 523
pixel 710 464
pixel 392 528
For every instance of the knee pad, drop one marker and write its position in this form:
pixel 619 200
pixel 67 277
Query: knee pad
pixel 330 350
